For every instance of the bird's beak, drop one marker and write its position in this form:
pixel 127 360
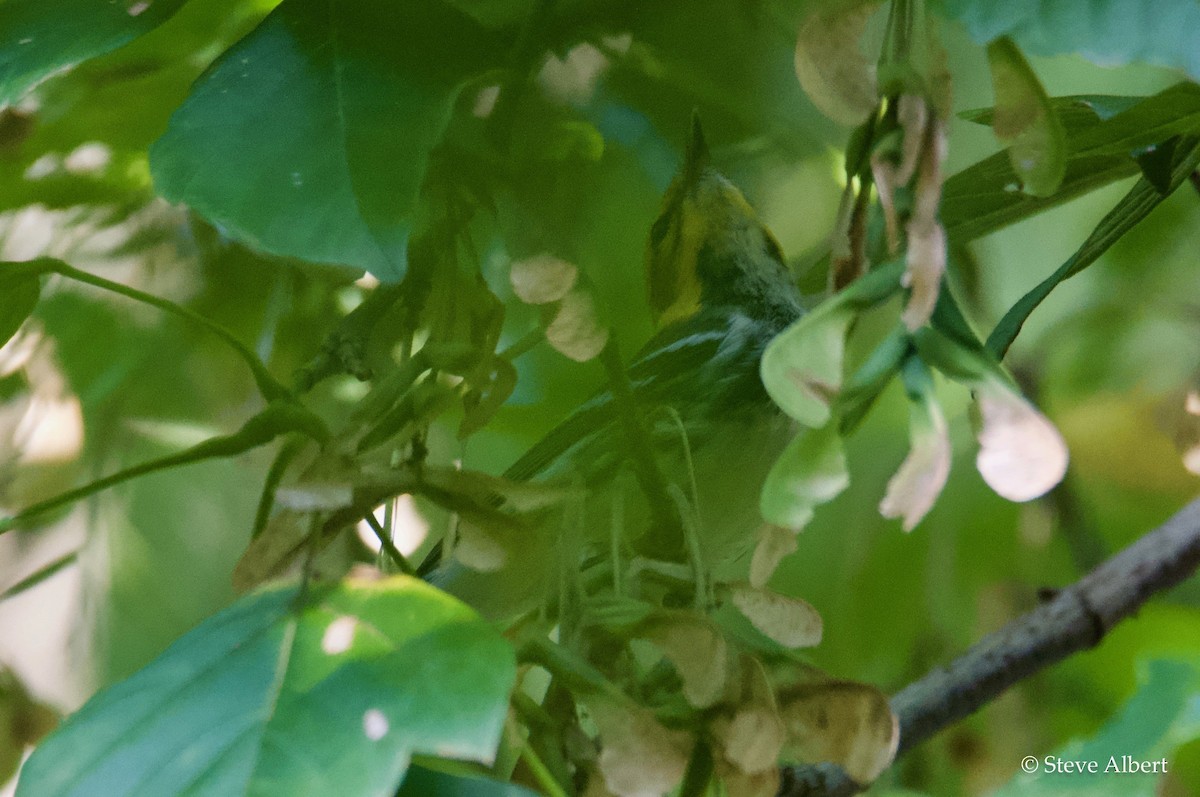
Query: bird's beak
pixel 695 160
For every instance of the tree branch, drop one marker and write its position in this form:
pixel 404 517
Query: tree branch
pixel 1075 619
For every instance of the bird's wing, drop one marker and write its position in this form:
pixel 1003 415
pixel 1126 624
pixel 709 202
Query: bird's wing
pixel 662 368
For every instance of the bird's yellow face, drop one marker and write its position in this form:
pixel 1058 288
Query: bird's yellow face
pixel 707 246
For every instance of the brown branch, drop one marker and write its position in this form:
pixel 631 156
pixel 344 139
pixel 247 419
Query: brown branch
pixel 1075 619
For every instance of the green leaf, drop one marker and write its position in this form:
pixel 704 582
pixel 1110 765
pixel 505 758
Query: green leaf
pixel 20 289
pixel 1024 119
pixel 1076 112
pixel 423 782
pixel 1162 714
pixel 811 471
pixel 1173 111
pixel 986 196
pixel 261 699
pixel 309 138
pixel 1108 32
pixel 802 367
pixel 38 39
pixel 1143 198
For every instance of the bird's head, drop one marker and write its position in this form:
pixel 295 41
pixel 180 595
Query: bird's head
pixel 707 247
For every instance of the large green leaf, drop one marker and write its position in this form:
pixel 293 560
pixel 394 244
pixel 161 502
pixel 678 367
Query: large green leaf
pixel 39 38
pixel 1162 715
pixel 263 700
pixel 309 137
pixel 1109 32
pixel 986 196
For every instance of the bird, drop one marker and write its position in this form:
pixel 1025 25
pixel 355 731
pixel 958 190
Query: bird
pixel 719 290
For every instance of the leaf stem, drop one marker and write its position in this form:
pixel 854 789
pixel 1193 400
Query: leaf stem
pixel 637 440
pixel 540 771
pixel 39 575
pixel 389 547
pixel 267 384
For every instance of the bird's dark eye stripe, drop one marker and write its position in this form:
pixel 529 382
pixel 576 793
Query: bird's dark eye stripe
pixel 773 248
pixel 658 230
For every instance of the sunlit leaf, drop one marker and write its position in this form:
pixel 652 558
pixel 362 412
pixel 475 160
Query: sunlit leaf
pixel 811 471
pixel 802 367
pixel 236 705
pixel 309 138
pixel 849 724
pixel 834 72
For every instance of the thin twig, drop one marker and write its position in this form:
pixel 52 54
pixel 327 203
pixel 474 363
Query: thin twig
pixel 1077 618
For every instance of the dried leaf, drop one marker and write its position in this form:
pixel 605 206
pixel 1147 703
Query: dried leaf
pixel 575 330
pixel 847 723
pixel 926 261
pixel 272 551
pixel 831 67
pixel 752 738
pixel 699 653
pixel 639 757
pixel 774 543
pixel 886 180
pixel 760 784
pixel 1021 453
pixel 926 256
pixel 791 622
pixel 913 114
pixel 542 279
pixel 912 492
pixel 478 550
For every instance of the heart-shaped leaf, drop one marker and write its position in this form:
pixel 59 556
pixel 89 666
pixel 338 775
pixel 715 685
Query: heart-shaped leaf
pixel 264 698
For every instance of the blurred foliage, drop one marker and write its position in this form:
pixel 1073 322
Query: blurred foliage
pixel 432 145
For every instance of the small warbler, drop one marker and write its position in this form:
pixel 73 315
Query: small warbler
pixel 719 292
